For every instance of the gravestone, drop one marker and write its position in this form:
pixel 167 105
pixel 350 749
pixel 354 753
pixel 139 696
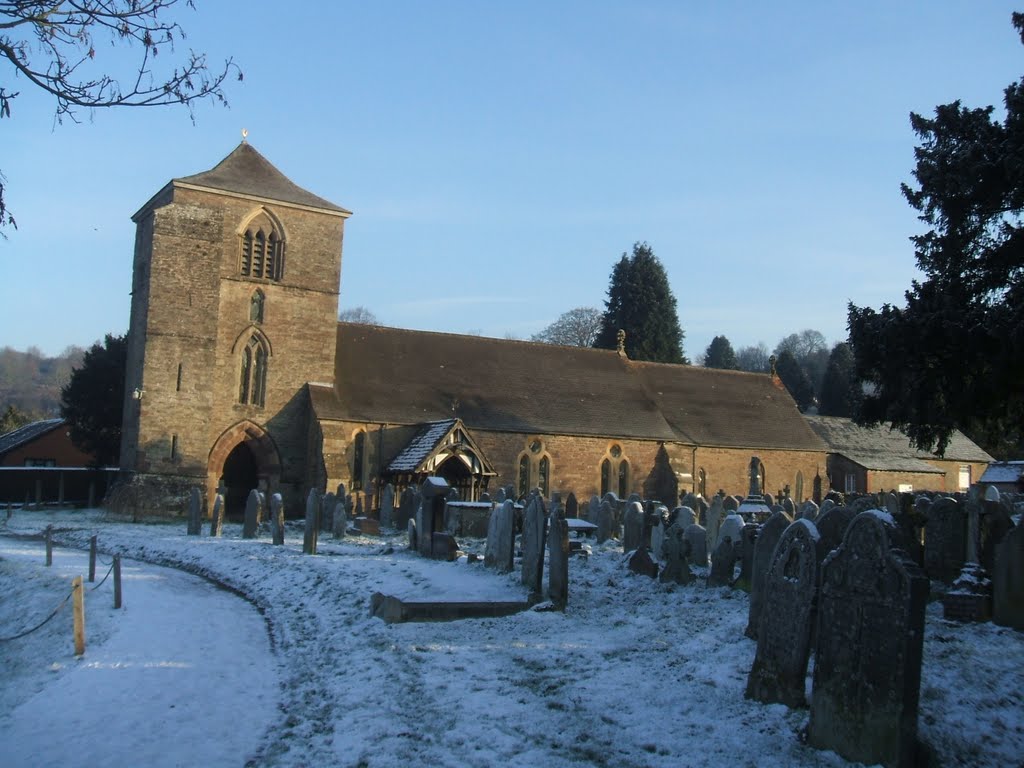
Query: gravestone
pixel 594 510
pixel 217 516
pixel 501 538
pixel 831 528
pixel 730 504
pixel 657 537
pixel 443 546
pixel 723 562
pixel 312 523
pixel 195 512
pixel 339 520
pixel 327 503
pixel 410 528
pixel 633 527
pixel 945 540
pixel 716 513
pixel 252 515
pixel 558 561
pixel 276 519
pixel 784 623
pixel 748 536
pixel 767 538
pixel 731 527
pixel 499 497
pixel 684 517
pixel 534 521
pixel 892 504
pixel 408 503
pixel 606 527
pixel 691 500
pixel 1008 580
pixel 826 505
pixel 387 506
pixel 572 506
pixel 995 524
pixel 697 538
pixel 870 632
pixel 676 550
pixel 430 515
pixel 808 511
pixel 789 507
pixel 641 563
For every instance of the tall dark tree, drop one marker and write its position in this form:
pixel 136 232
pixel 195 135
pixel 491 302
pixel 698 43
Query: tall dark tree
pixel 93 398
pixel 811 351
pixel 953 357
pixel 69 49
pixel 795 380
pixel 640 302
pixel 720 354
pixel 840 390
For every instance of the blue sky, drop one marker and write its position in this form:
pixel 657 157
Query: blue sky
pixel 500 157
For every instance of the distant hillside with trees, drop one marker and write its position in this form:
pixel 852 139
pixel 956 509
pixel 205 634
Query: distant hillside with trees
pixel 30 383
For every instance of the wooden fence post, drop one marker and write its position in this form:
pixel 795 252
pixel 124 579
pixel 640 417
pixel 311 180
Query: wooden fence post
pixel 117 581
pixel 92 559
pixel 78 604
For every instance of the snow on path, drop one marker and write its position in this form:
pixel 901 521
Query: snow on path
pixel 175 666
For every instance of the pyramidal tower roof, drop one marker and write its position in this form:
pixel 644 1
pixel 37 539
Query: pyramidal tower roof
pixel 246 172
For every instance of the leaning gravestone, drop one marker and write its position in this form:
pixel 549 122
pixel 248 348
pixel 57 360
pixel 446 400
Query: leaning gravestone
pixel 767 538
pixel 339 520
pixel 785 619
pixel 697 538
pixel 387 506
pixel 867 668
pixel 312 523
pixel 676 549
pixel 945 540
pixel 277 519
pixel 558 561
pixel 252 515
pixel 605 522
pixel 1008 580
pixel 195 512
pixel 633 527
pixel 217 516
pixel 534 521
pixel 501 538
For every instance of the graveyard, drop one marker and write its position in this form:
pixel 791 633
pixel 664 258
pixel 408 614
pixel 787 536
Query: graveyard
pixel 620 648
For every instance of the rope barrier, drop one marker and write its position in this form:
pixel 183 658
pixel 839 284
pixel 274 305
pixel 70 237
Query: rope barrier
pixel 42 623
pixel 109 571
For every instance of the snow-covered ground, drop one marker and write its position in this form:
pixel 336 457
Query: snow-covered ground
pixel 635 673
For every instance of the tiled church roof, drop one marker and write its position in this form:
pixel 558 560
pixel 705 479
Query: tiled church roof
pixel 412 377
pixel 247 172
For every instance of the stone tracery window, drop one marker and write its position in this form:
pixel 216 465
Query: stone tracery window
pixel 544 475
pixel 623 479
pixel 252 386
pixel 615 472
pixel 261 250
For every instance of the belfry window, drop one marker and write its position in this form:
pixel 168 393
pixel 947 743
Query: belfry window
pixel 262 254
pixel 252 386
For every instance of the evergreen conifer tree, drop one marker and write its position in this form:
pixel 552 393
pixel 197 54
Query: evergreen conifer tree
pixel 840 390
pixel 795 380
pixel 720 354
pixel 640 302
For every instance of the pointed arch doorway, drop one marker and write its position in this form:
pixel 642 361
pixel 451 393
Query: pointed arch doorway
pixel 243 457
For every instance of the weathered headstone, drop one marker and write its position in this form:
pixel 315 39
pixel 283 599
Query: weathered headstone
pixel 339 520
pixel 534 521
pixel 443 546
pixel 606 527
pixel 676 549
pixel 867 668
pixel 594 510
pixel 499 497
pixel 408 503
pixel 558 561
pixel 730 504
pixel 995 524
pixel 945 540
pixel 217 516
pixel 684 517
pixel 657 537
pixel 410 527
pixel 723 563
pixel 641 563
pixel 195 512
pixel 633 527
pixel 748 537
pixel 312 523
pixel 784 623
pixel 716 513
pixel 731 527
pixel 809 511
pixel 277 519
pixel 327 504
pixel 697 538
pixel 1008 580
pixel 767 538
pixel 789 507
pixel 501 538
pixel 831 527
pixel 252 515
pixel 572 506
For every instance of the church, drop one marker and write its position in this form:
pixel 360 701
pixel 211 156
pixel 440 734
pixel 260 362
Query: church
pixel 240 376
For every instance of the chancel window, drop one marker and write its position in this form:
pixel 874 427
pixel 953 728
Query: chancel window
pixel 615 472
pixel 606 476
pixel 252 387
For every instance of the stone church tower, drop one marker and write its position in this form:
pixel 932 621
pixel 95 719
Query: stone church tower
pixel 234 310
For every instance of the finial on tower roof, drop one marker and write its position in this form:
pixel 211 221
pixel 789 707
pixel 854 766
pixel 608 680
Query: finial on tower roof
pixel 245 134
pixel 621 342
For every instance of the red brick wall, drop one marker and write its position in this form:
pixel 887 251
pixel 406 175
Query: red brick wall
pixel 55 444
